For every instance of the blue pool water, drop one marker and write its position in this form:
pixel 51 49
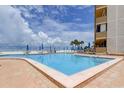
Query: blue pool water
pixel 66 63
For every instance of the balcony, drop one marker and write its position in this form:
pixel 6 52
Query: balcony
pixel 100 6
pixel 101 49
pixel 101 35
pixel 102 19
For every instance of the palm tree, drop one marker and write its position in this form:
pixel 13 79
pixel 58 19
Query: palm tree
pixel 89 45
pixel 81 42
pixel 76 43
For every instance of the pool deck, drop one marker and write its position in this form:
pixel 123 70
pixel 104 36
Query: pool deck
pixel 111 78
pixel 19 73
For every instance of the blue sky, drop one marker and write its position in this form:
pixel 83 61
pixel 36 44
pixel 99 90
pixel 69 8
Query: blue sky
pixel 56 25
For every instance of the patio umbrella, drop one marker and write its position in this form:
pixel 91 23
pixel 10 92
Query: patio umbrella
pixel 27 47
pixel 42 46
pixel 54 50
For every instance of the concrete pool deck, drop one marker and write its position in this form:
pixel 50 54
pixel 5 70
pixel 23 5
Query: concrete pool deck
pixel 18 73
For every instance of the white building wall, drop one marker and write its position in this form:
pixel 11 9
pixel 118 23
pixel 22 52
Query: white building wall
pixel 115 31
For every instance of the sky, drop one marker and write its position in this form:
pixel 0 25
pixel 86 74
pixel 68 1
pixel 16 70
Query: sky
pixel 51 25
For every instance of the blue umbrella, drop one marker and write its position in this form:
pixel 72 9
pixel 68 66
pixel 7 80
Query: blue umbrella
pixel 27 48
pixel 42 47
pixel 54 50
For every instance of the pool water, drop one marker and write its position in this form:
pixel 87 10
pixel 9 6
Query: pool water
pixel 68 64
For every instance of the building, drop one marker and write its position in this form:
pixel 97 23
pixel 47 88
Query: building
pixel 109 29
pixel 101 28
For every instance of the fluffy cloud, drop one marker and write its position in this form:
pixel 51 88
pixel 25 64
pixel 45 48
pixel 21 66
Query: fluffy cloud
pixel 43 35
pixel 85 36
pixel 28 8
pixel 56 41
pixel 45 38
pixel 67 31
pixel 53 21
pixel 14 29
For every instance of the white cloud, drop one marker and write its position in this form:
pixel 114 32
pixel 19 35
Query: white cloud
pixel 52 25
pixel 56 41
pixel 43 35
pixel 27 8
pixel 65 32
pixel 14 29
pixel 82 36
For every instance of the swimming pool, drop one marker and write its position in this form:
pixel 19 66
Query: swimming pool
pixel 67 64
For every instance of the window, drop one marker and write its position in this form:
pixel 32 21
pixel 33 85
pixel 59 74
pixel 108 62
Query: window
pixel 98 28
pixel 101 27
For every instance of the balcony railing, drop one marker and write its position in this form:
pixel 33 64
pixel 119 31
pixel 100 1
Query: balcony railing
pixel 102 19
pixel 100 6
pixel 101 49
pixel 101 35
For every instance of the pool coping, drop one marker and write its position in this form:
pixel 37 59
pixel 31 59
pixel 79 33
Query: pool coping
pixel 75 79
